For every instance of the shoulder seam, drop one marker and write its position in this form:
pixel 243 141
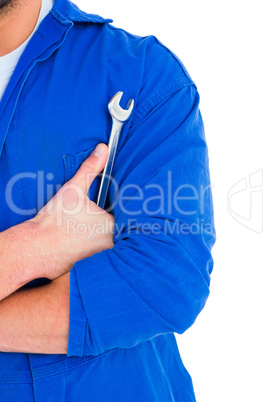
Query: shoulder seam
pixel 159 97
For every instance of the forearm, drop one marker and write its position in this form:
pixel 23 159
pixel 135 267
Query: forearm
pixel 36 320
pixel 16 264
pixel 27 252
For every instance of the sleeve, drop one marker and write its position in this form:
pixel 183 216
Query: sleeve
pixel 156 278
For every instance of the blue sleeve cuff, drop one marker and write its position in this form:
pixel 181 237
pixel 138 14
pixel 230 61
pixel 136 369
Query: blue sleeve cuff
pixel 77 319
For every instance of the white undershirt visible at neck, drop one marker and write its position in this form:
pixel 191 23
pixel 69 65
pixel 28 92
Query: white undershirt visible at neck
pixel 9 61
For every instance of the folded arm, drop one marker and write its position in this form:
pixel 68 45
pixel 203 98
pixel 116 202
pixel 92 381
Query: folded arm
pixel 36 320
pixel 155 279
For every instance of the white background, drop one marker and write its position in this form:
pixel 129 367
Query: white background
pixel 224 47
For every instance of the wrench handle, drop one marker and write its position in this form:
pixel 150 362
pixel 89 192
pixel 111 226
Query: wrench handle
pixel 107 172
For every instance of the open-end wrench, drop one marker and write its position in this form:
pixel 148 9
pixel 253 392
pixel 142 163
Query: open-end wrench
pixel 119 117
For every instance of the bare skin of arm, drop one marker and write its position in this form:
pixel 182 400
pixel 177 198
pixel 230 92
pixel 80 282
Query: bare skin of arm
pixel 37 320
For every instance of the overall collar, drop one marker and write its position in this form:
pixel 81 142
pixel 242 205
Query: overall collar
pixel 66 11
pixel 50 35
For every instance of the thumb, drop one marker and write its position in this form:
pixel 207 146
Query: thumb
pixel 91 167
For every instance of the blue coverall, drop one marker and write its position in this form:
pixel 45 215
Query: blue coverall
pixel 125 303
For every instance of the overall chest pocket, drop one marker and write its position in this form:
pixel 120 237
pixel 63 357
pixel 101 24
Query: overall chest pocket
pixel 72 162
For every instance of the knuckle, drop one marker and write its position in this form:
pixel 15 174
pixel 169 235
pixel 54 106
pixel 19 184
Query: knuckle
pixel 88 164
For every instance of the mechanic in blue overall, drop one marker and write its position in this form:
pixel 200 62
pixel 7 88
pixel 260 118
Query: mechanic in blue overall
pixel 91 299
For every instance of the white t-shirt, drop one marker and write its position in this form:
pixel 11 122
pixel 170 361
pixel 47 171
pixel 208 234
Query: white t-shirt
pixel 9 61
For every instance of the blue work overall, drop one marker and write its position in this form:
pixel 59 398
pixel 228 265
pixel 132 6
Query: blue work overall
pixel 126 303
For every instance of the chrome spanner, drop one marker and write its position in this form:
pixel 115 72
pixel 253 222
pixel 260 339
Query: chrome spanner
pixel 119 117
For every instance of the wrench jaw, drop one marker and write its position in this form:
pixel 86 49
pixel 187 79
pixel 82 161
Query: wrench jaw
pixel 130 105
pixel 115 109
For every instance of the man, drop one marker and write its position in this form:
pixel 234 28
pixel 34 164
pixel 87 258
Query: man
pixel 91 299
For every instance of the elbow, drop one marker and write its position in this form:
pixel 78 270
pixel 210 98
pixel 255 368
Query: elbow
pixel 189 310
pixel 190 293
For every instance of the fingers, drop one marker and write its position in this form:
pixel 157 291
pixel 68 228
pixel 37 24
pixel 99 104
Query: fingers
pixel 90 168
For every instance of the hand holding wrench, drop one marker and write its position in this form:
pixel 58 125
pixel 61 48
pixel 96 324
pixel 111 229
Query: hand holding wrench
pixel 119 117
